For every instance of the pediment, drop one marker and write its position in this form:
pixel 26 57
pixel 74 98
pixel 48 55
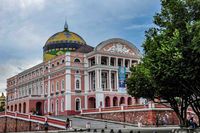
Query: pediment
pixel 118 46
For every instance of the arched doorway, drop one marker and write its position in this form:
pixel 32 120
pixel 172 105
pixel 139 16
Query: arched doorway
pixel 11 107
pixel 107 101
pixel 91 102
pixel 115 101
pixel 57 107
pixel 122 101
pixel 20 108
pixel 38 108
pixel 15 107
pixel 78 104
pixel 52 107
pixel 129 101
pixel 24 107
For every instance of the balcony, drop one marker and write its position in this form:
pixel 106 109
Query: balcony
pixel 35 95
pixel 106 89
pixel 77 91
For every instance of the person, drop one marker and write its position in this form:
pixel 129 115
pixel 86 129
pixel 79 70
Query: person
pixel 88 125
pixel 67 123
pixel 192 123
pixel 46 126
pixel 37 126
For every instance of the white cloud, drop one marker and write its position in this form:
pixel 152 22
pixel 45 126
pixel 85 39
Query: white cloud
pixel 138 26
pixel 27 4
pixel 13 67
pixel 25 25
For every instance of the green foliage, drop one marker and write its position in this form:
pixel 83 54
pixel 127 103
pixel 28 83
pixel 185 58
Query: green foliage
pixel 170 68
pixel 141 82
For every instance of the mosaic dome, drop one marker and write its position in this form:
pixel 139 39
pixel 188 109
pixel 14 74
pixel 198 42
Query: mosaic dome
pixel 62 42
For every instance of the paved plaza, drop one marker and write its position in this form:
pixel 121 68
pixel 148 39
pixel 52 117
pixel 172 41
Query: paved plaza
pixel 80 123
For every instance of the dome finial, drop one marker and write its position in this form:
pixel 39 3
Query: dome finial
pixel 66 25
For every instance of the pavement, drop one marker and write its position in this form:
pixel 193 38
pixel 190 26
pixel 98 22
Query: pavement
pixel 97 125
pixel 80 122
pixel 105 126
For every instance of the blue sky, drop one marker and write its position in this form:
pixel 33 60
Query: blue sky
pixel 25 25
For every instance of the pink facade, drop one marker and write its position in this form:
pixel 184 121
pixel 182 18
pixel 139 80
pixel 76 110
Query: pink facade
pixel 75 80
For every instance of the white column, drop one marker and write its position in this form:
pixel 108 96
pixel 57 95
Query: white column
pixel 96 59
pixel 49 87
pixel 110 80
pixel 43 87
pixel 68 83
pixel 109 59
pixel 117 80
pixel 97 79
pixel 123 62
pixel 99 59
pixel 116 63
pixel 100 80
pixel 86 83
pixel 89 75
pixel 130 63
pixel 86 102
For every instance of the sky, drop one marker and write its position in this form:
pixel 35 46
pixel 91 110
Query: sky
pixel 25 26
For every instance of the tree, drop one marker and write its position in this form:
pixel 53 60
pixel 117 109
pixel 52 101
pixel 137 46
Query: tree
pixel 171 58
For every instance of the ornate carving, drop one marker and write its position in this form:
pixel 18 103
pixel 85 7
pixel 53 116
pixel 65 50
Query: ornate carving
pixel 119 48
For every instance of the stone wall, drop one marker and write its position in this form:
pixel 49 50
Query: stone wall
pixel 146 117
pixel 8 124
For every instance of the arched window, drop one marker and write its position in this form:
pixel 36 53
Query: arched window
pixel 52 87
pixel 37 90
pixel 29 90
pixel 46 89
pixel 52 106
pixel 63 84
pixel 77 72
pixel 57 85
pixel 62 105
pixel 41 89
pixel 57 107
pixel 78 104
pixel 63 61
pixel 77 84
pixel 77 60
pixel 45 107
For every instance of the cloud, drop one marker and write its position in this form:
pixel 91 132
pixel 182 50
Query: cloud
pixel 25 25
pixel 138 26
pixel 13 67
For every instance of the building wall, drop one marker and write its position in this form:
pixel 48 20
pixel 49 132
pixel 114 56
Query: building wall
pixel 73 67
pixel 150 117
pixel 8 124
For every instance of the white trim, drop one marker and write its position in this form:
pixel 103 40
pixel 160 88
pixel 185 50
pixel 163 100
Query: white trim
pixel 57 86
pixel 79 80
pixel 62 105
pixel 132 110
pixel 62 84
pixel 52 86
pixel 57 107
pixel 78 59
pixel 45 107
pixel 55 125
pixel 52 108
